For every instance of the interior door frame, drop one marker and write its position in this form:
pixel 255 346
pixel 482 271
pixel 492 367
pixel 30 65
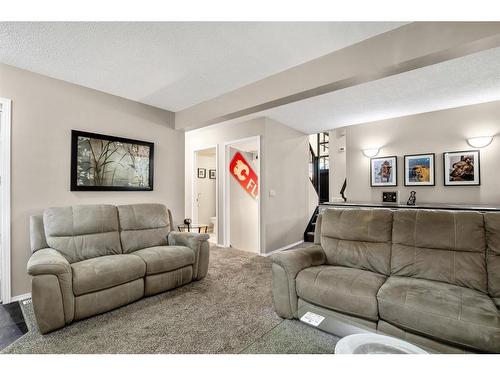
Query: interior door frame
pixel 194 176
pixel 5 250
pixel 226 195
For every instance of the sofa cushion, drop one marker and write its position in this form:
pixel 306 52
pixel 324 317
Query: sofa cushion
pixel 105 272
pixel 82 232
pixel 347 290
pixel 446 246
pixel 446 312
pixel 160 259
pixel 492 224
pixel 357 238
pixel 143 225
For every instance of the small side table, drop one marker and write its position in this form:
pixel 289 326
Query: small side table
pixel 197 228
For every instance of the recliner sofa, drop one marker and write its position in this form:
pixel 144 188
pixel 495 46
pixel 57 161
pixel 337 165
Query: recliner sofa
pixel 429 277
pixel 91 259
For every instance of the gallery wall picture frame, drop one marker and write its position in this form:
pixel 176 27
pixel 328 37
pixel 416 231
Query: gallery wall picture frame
pixel 212 174
pixel 462 168
pixel 102 162
pixel 202 173
pixel 384 171
pixel 420 169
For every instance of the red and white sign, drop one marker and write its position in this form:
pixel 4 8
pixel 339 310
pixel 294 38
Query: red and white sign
pixel 244 174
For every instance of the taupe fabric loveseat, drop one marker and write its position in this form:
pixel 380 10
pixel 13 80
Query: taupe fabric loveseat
pixel 429 277
pixel 91 259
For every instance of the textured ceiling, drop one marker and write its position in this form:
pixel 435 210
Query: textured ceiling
pixel 464 81
pixel 173 65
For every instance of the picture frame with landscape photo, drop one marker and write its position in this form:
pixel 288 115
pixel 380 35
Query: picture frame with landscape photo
pixel 419 169
pixel 462 168
pixel 107 163
pixel 384 171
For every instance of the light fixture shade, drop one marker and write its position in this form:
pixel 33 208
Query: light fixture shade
pixel 370 152
pixel 480 142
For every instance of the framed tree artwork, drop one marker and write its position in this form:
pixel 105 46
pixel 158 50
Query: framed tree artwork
pixel 419 170
pixel 107 163
pixel 384 171
pixel 462 168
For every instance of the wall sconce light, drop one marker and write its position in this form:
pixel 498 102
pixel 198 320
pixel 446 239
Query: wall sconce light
pixel 370 152
pixel 479 142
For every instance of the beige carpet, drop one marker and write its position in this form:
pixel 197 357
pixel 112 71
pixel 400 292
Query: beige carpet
pixel 230 311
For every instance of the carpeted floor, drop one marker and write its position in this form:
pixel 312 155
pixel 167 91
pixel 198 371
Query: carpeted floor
pixel 230 311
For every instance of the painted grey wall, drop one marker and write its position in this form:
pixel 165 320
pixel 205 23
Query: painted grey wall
pixel 44 111
pixel 284 169
pixel 436 132
pixel 287 173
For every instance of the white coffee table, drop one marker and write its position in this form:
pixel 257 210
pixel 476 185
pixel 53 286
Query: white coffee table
pixel 372 343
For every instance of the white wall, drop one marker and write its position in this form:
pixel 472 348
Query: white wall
pixel 243 210
pixel 44 110
pixel 287 161
pixel 284 163
pixel 205 189
pixel 435 132
pixel 338 159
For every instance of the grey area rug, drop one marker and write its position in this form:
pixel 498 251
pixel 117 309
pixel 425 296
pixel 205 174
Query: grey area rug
pixel 230 311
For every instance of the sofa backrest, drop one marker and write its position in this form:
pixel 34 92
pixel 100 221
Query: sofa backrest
pixel 82 232
pixel 143 225
pixel 37 233
pixel 492 224
pixel 357 238
pixel 448 246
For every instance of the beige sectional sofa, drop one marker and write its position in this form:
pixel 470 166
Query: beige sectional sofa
pixel 429 277
pixel 91 259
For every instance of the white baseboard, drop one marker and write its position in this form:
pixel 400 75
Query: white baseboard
pixel 20 297
pixel 283 248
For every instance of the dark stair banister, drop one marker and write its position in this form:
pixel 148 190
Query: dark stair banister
pixel 311 226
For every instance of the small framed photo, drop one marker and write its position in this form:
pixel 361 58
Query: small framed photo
pixel 211 174
pixel 462 168
pixel 202 173
pixel 384 171
pixel 419 170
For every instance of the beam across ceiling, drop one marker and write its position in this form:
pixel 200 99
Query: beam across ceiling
pixel 406 48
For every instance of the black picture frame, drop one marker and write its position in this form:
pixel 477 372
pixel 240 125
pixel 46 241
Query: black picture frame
pixel 477 168
pixel 75 134
pixel 212 174
pixel 433 169
pixel 202 173
pixel 395 169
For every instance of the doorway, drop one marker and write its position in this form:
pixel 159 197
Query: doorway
pixel 242 195
pixel 204 191
pixel 5 128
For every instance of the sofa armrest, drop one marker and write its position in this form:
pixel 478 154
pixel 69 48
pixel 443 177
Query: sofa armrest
pixel 294 261
pixel 48 262
pixel 286 266
pixel 51 289
pixel 198 242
